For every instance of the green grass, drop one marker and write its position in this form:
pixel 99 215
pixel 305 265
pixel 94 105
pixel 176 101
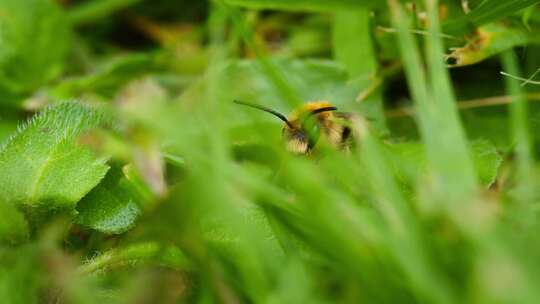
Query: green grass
pixel 133 177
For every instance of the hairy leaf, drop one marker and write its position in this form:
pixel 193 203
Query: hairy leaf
pixel 113 206
pixel 42 165
pixel 169 256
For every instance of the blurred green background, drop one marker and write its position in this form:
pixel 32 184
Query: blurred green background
pixel 128 175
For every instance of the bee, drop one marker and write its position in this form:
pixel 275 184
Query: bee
pixel 305 125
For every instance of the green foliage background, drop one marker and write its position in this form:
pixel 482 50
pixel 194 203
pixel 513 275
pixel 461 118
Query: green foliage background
pixel 127 175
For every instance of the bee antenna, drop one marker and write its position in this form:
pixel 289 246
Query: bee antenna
pixel 325 109
pixel 265 109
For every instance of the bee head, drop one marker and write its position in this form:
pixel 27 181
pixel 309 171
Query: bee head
pixel 307 122
pixel 302 130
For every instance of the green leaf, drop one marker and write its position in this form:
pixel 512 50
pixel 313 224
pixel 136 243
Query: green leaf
pixel 307 5
pixel 490 40
pixel 108 77
pixel 43 166
pixel 487 161
pixel 34 39
pixel 312 80
pixel 410 162
pixel 352 42
pixel 113 206
pixel 13 226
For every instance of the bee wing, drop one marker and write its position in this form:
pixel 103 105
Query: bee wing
pixel 355 125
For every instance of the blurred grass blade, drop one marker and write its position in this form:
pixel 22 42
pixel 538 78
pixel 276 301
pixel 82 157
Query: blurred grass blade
pixel 519 120
pixel 453 153
pixel 35 39
pixel 524 81
pixel 21 274
pixel 106 78
pixel 405 238
pixel 13 226
pixel 224 223
pixel 307 5
pixel 353 47
pixel 276 77
pixel 416 75
pixel 446 147
pixel 352 43
pixel 91 11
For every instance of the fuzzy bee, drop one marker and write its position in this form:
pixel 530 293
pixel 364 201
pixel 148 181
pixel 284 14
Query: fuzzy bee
pixel 306 124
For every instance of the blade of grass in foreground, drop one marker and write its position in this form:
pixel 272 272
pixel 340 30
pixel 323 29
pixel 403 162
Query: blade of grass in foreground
pixel 518 108
pixel 405 240
pixel 490 245
pixel 450 162
pixel 275 76
pixel 518 116
pixel 353 47
pixel 352 44
pixel 457 162
pixel 233 238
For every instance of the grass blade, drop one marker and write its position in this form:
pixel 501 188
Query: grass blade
pixel 353 47
pixel 307 5
pixel 94 10
pixel 519 123
pixel 446 147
